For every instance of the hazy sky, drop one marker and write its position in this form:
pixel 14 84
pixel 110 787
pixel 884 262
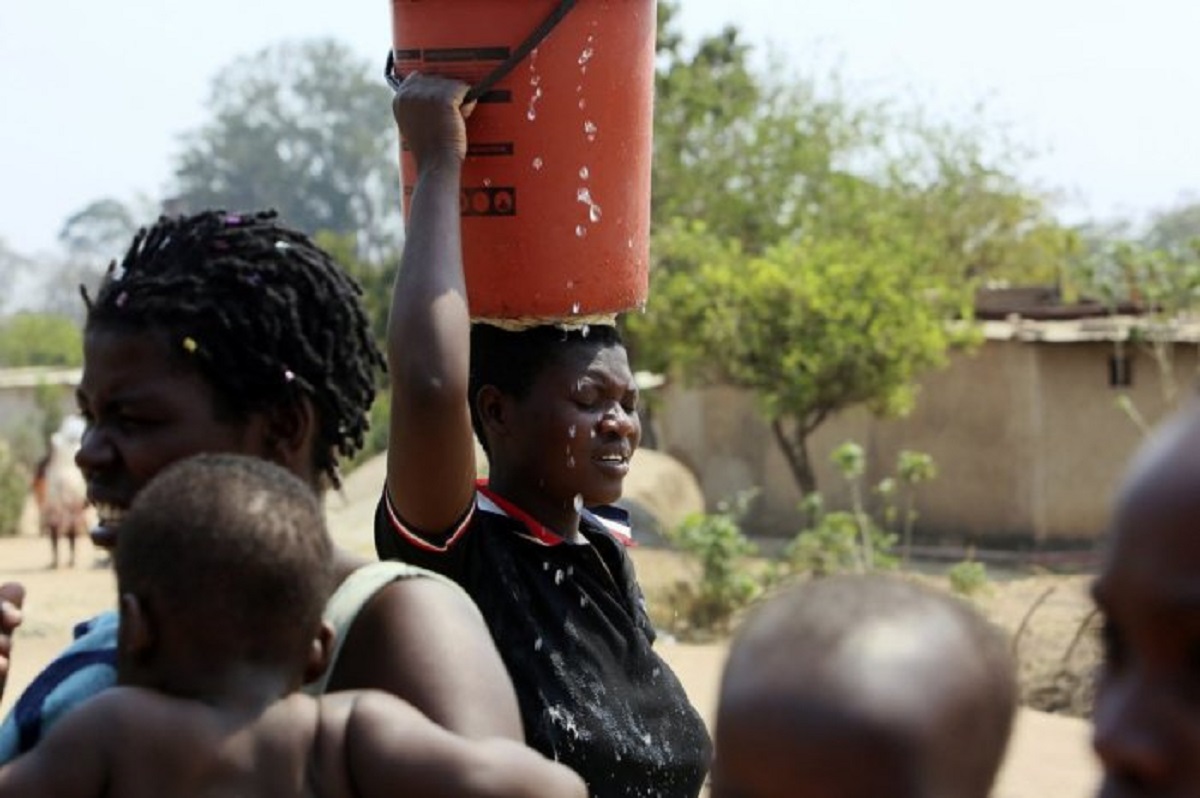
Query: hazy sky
pixel 94 94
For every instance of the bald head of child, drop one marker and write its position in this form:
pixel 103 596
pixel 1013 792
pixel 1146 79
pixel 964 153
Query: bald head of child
pixel 224 561
pixel 856 687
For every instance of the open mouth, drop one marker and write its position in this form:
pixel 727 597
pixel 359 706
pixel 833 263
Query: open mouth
pixel 613 461
pixel 104 534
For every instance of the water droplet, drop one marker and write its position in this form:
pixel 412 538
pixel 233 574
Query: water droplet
pixel 587 329
pixel 582 104
pixel 535 78
pixel 558 577
pixel 593 433
pixel 537 644
pixel 590 129
pixel 545 566
pixel 583 602
pixel 594 213
pixel 575 308
pixel 487 182
pixel 584 173
pixel 538 163
pixel 580 231
pixel 570 284
pixel 570 462
pixel 532 114
pixel 586 55
pixel 578 502
pixel 571 431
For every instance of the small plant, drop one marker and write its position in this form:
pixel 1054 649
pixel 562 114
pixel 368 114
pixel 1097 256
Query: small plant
pixel 828 547
pixel 832 543
pixel 912 468
pixel 852 463
pixel 716 544
pixel 14 485
pixel 968 578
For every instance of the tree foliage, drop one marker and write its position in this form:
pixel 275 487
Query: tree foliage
pixel 812 247
pixel 303 127
pixel 40 339
pixel 811 326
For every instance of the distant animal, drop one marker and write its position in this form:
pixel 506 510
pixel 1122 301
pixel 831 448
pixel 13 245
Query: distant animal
pixel 62 497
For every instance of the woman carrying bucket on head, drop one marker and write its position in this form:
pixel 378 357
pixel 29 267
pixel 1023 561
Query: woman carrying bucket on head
pixel 555 408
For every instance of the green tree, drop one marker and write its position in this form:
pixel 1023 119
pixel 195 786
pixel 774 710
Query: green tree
pixel 813 247
pixel 1176 230
pixel 303 127
pixel 812 327
pixel 40 339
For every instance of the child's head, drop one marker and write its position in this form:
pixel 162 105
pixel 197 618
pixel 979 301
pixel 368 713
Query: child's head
pixel 557 404
pixel 259 311
pixel 859 687
pixel 228 559
pixel 1147 709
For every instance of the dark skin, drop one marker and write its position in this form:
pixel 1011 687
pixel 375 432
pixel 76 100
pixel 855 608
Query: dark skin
pixel 571 436
pixel 12 596
pixel 146 409
pixel 242 730
pixel 768 749
pixel 1147 711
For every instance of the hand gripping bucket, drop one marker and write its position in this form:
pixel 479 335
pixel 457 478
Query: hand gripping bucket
pixel 556 185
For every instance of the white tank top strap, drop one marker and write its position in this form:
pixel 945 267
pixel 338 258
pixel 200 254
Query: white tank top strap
pixel 353 594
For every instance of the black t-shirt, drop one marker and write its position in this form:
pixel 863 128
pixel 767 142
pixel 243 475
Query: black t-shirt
pixel 570 623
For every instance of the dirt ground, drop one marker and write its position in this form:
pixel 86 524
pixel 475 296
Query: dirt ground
pixel 1049 754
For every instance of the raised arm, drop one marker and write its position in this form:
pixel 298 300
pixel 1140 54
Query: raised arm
pixel 389 743
pixel 12 596
pixel 431 455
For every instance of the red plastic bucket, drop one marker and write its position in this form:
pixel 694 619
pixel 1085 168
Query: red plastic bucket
pixel 556 185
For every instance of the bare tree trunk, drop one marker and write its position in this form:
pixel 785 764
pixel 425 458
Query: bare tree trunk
pixel 795 450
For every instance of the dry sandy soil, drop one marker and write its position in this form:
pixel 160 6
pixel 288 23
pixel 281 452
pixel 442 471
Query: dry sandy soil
pixel 1049 755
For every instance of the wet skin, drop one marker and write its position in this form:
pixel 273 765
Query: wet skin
pixel 144 410
pixel 572 435
pixel 1147 712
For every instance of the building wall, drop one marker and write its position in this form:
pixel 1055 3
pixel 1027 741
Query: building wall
pixel 1028 440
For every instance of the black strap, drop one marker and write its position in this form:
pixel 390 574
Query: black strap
pixel 515 57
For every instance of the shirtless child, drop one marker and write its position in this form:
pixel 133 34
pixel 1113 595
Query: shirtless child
pixel 223 567
pixel 863 687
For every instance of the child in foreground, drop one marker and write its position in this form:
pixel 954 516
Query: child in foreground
pixel 863 687
pixel 1147 712
pixel 223 567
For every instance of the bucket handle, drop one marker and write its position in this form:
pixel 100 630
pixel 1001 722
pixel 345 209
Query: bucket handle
pixel 517 56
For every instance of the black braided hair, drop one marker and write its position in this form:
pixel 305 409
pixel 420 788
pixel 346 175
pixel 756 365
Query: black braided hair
pixel 511 360
pixel 262 312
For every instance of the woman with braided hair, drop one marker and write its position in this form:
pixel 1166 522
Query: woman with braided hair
pixel 236 334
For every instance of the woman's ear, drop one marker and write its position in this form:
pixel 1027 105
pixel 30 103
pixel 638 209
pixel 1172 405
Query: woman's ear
pixel 135 635
pixel 493 408
pixel 290 433
pixel 320 653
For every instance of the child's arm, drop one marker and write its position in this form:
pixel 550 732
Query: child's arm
pixel 388 743
pixel 12 596
pixel 70 762
pixel 431 455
